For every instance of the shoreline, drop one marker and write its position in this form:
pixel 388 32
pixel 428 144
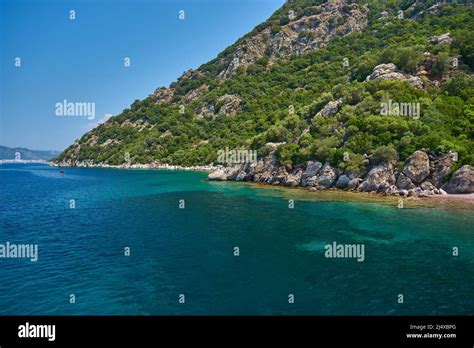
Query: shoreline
pixel 455 200
pixel 458 201
pixel 455 197
pixel 205 168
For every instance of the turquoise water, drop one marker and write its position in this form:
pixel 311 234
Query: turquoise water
pixel 190 251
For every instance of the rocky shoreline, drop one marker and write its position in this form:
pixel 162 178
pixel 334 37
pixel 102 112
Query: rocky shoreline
pixel 151 166
pixel 424 174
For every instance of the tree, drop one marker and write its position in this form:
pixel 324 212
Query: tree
pixel 384 154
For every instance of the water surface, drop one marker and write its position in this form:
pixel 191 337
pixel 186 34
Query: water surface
pixel 190 251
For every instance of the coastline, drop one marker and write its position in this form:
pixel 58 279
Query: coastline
pixel 205 168
pixel 467 198
pixel 449 200
pixel 453 201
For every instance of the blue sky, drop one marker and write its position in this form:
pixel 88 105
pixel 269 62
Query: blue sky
pixel 82 60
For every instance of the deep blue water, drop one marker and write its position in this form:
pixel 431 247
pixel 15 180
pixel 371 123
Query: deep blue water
pixel 190 251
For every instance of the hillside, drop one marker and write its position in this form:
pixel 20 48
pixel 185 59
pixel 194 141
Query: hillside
pixel 7 153
pixel 345 82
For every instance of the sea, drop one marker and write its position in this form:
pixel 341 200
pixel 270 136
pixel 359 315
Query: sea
pixel 161 242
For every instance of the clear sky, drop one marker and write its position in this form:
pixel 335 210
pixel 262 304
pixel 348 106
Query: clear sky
pixel 82 60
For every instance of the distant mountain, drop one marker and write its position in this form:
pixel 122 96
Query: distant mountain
pixel 8 153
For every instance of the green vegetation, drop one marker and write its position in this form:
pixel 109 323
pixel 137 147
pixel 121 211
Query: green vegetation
pixel 306 84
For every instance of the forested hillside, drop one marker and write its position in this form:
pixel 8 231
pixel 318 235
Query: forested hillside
pixel 314 78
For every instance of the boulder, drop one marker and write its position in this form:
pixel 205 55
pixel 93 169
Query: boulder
pixel 326 177
pixel 378 176
pixel 440 167
pixel 266 177
pixel 417 167
pixel 387 189
pixel 425 193
pixel 403 193
pixel 462 181
pixel 312 168
pixel 384 188
pixel 444 39
pixel 354 183
pixel 390 72
pixel 242 176
pixel 331 108
pixel 427 186
pixel 293 179
pixel 232 172
pixel 417 191
pixel 222 174
pixel 219 174
pixel 343 182
pixel 404 183
pixel 280 174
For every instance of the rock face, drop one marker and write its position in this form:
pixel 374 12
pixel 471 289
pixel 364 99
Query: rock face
pixel 229 104
pixel 226 105
pixel 417 167
pixel 162 95
pixel 389 72
pixel 301 32
pixel 206 109
pixel 331 108
pixel 444 39
pixel 195 93
pixel 462 181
